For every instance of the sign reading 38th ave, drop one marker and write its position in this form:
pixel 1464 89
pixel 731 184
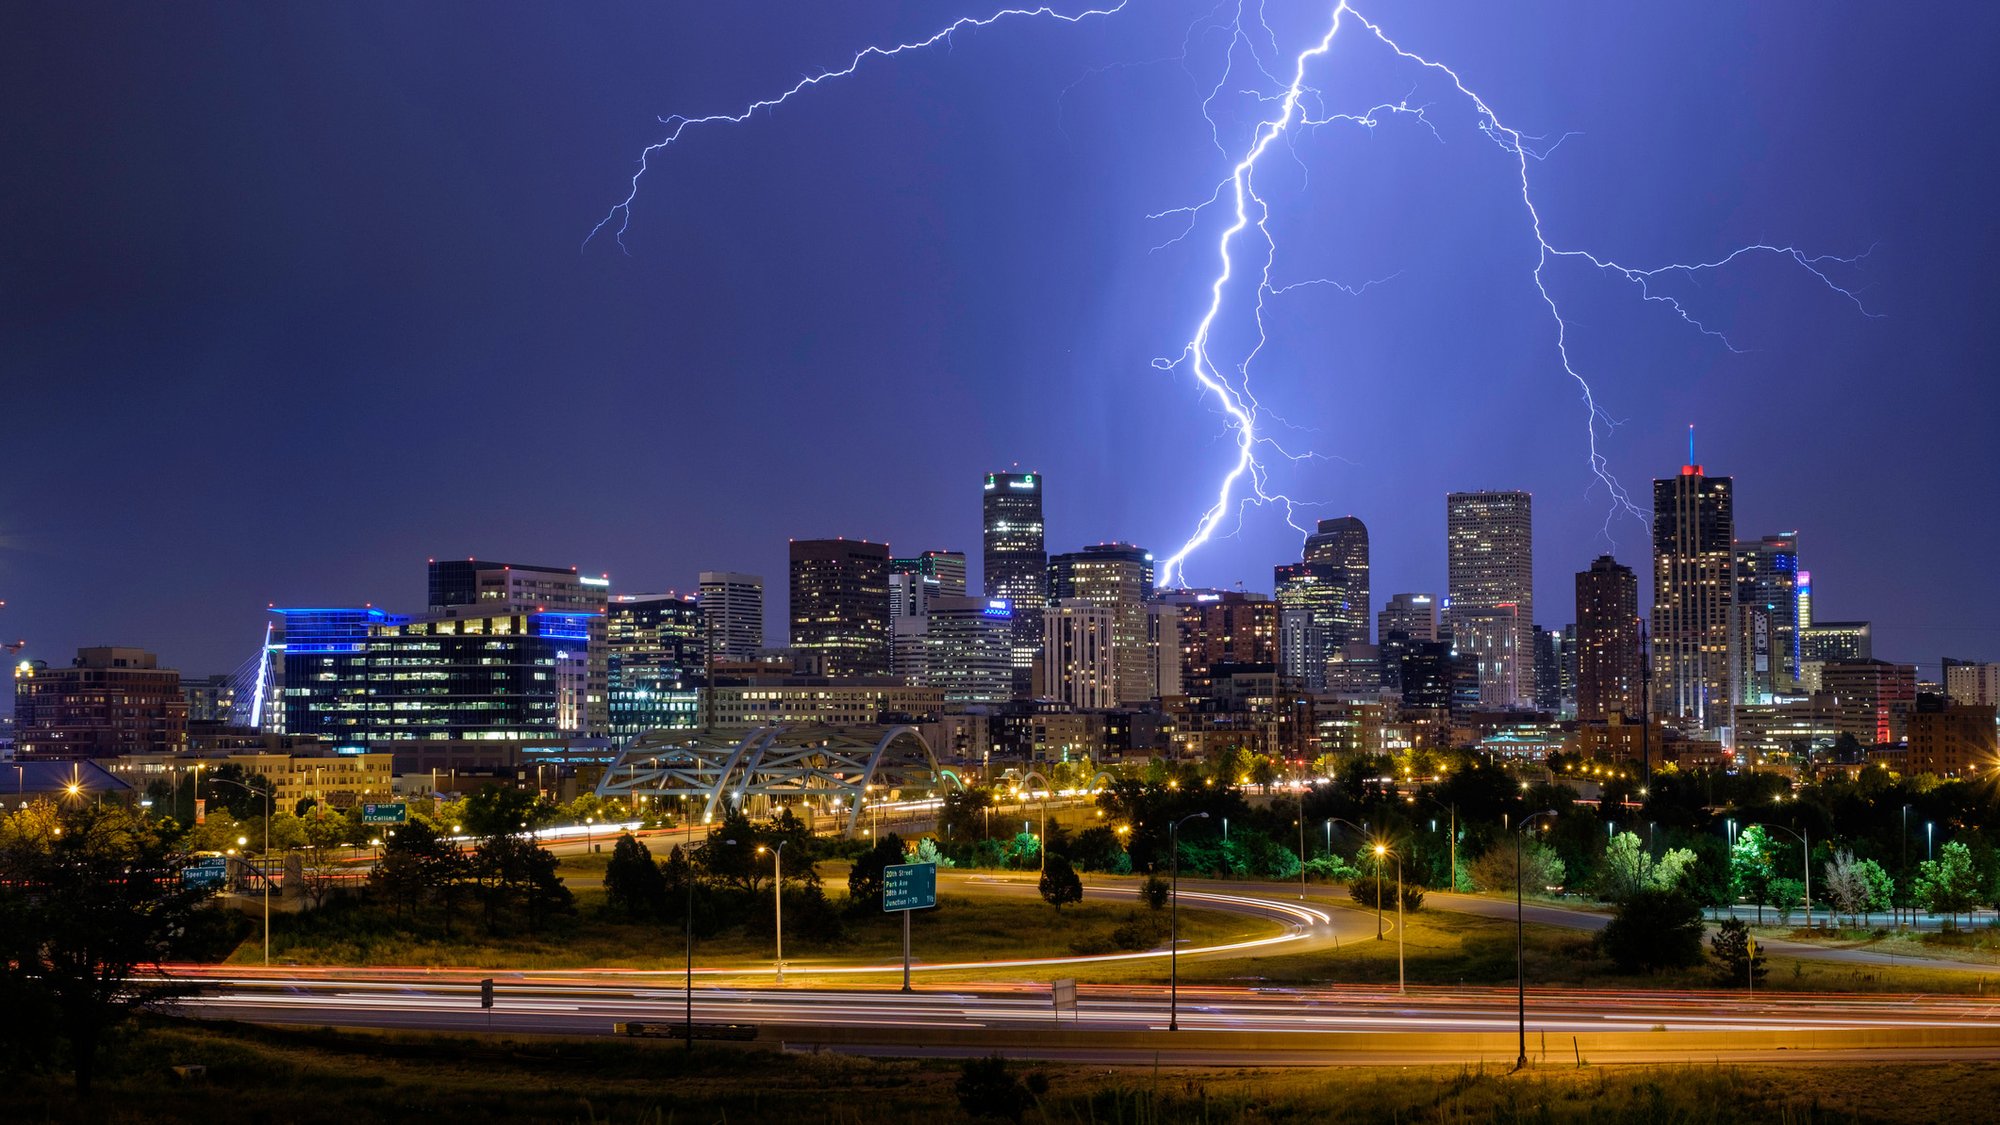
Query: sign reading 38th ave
pixel 909 886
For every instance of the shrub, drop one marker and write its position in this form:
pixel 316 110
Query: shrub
pixel 1737 962
pixel 1653 930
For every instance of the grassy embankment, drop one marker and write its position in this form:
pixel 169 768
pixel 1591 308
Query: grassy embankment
pixel 355 1078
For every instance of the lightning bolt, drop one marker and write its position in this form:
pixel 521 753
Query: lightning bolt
pixel 1297 106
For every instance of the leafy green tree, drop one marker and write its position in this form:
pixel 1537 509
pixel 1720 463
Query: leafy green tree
pixel 864 879
pixel 1738 961
pixel 1949 884
pixel 1060 884
pixel 965 814
pixel 1540 867
pixel 1750 868
pixel 1024 851
pixel 633 885
pixel 1626 868
pixel 1155 892
pixel 230 786
pixel 496 810
pixel 89 896
pixel 926 850
pixel 1654 930
pixel 517 878
pixel 418 866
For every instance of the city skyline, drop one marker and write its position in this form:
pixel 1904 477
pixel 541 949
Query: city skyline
pixel 279 381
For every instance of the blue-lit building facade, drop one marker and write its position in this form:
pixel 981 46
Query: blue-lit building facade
pixel 358 676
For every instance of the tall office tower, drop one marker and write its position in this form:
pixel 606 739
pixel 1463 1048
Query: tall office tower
pixel 1119 577
pixel 1325 594
pixel 910 598
pixel 1569 665
pixel 840 604
pixel 109 702
pixel 734 607
pixel 1805 603
pixel 1767 583
pixel 657 648
pixel 471 587
pixel 943 569
pixel 1491 640
pixel 1299 588
pixel 1490 563
pixel 1827 641
pixel 1694 528
pixel 1077 667
pixel 1607 642
pixel 1413 615
pixel 968 649
pixel 1406 621
pixel 1428 675
pixel 1217 627
pixel 1016 563
pixel 1548 669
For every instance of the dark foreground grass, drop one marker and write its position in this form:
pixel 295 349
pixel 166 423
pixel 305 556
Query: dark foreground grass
pixel 355 1078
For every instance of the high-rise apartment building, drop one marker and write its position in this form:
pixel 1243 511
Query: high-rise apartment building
pixel 734 607
pixel 1694 585
pixel 910 598
pixel 1872 698
pixel 1491 639
pixel 1607 642
pixel 1326 595
pixel 840 604
pixel 1490 565
pixel 1077 647
pixel 1968 681
pixel 475 587
pixel 107 703
pixel 1118 577
pixel 1016 562
pixel 1218 627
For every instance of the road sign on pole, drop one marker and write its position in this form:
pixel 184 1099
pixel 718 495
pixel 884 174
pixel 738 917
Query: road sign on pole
pixel 207 871
pixel 1063 992
pixel 486 993
pixel 907 887
pixel 397 813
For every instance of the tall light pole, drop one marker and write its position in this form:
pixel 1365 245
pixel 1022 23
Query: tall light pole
pixel 778 900
pixel 264 858
pixel 1380 851
pixel 1174 922
pixel 1520 941
pixel 1363 829
pixel 1804 837
pixel 688 919
pixel 1302 841
pixel 1452 809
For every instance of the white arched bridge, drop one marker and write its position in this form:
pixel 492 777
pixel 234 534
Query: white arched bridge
pixel 823 767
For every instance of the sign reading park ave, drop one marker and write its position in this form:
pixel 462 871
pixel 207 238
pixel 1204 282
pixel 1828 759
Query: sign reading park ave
pixel 909 886
pixel 385 814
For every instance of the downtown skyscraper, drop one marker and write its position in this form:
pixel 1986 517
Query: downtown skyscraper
pixel 840 604
pixel 1694 585
pixel 1490 579
pixel 1607 642
pixel 1016 563
pixel 1323 599
pixel 1118 577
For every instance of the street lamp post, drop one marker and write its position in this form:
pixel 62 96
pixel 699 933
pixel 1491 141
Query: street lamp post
pixel 1363 829
pixel 1804 837
pixel 1174 922
pixel 1520 942
pixel 778 901
pixel 1380 851
pixel 264 857
pixel 688 919
pixel 1451 809
pixel 1302 841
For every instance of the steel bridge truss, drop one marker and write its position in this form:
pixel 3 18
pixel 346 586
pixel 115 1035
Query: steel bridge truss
pixel 784 762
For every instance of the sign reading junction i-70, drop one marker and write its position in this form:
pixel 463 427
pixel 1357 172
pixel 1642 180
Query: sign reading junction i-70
pixel 909 886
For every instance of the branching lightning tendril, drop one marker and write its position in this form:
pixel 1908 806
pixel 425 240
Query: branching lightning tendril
pixel 1294 106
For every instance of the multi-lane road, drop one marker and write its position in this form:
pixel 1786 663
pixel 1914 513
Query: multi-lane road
pixel 1218 1025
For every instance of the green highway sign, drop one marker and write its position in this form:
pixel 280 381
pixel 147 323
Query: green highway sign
pixel 397 813
pixel 909 886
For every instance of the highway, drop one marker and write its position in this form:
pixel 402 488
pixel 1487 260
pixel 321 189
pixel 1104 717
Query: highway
pixel 1219 1025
